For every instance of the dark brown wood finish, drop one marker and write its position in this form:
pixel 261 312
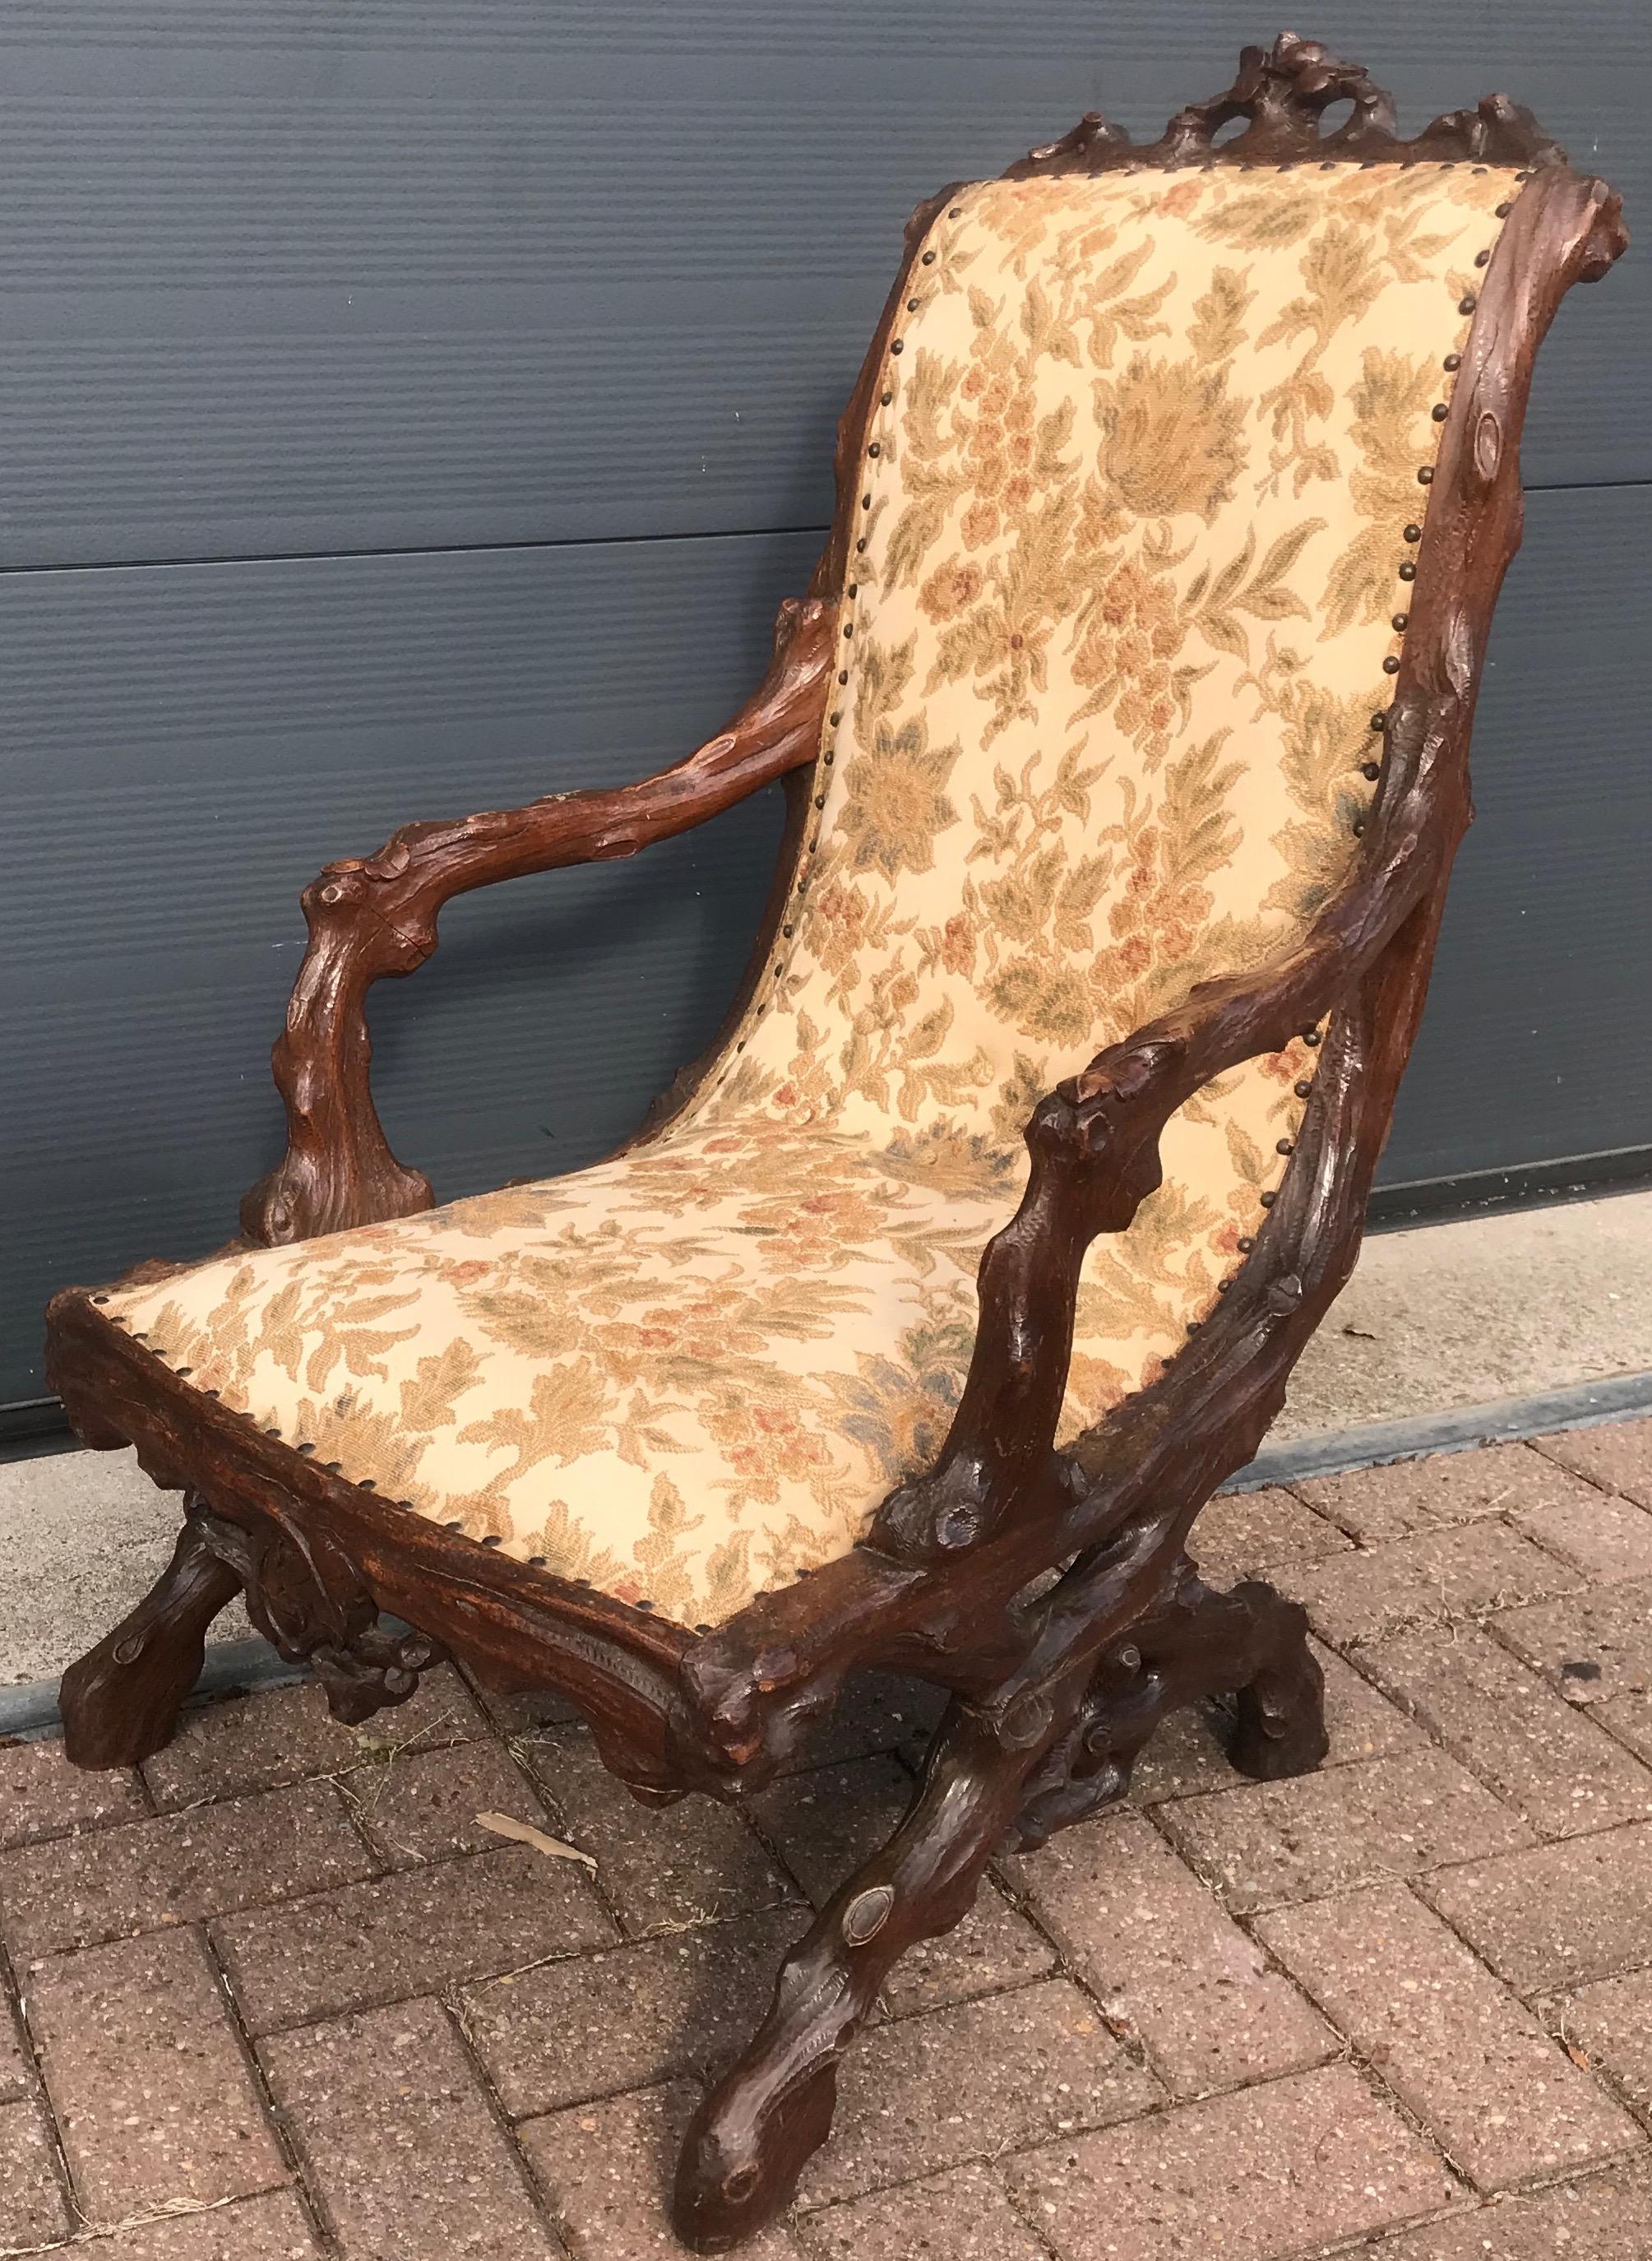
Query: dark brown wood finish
pixel 1056 1685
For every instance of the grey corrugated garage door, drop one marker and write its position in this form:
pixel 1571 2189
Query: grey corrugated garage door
pixel 410 408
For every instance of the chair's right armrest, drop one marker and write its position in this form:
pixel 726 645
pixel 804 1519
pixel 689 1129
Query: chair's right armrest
pixel 373 916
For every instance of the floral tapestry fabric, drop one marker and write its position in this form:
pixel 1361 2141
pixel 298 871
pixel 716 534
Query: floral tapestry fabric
pixel 1125 581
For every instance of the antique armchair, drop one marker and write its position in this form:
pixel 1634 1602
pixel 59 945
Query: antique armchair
pixel 1127 714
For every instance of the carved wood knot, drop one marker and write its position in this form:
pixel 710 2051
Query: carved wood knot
pixel 1287 87
pixel 867 1913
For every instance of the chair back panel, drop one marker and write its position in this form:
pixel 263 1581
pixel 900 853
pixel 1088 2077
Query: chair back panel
pixel 1127 584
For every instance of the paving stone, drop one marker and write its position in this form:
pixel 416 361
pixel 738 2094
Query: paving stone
pixel 41 1795
pixel 637 2015
pixel 144 1875
pixel 146 2078
pixel 695 1862
pixel 527 1714
pixel 1265 2172
pixel 424 1806
pixel 1514 1731
pixel 1164 1962
pixel 33 2211
pixel 825 1824
pixel 400 1935
pixel 16 2069
pixel 1439 1574
pixel 1611 2021
pixel 1339 1828
pixel 916 2095
pixel 961 2216
pixel 273 2228
pixel 606 2170
pixel 1617 1455
pixel 1597 1644
pixel 400 2142
pixel 1239 1534
pixel 1378 1504
pixel 1503 2100
pixel 1605 2217
pixel 1189 1752
pixel 1606 1538
pixel 1558 1915
pixel 877 1711
pixel 1629 1717
pixel 243 1743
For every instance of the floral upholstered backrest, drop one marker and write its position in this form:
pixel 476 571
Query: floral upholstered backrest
pixel 1128 578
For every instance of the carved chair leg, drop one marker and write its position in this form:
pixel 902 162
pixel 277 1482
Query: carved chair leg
pixel 120 1702
pixel 1281 1728
pixel 1251 1641
pixel 307 1599
pixel 756 2130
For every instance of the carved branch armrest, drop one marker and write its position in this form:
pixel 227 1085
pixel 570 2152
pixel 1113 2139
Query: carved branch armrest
pixel 375 916
pixel 1094 1141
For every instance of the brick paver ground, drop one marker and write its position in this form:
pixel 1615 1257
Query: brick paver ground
pixel 281 1997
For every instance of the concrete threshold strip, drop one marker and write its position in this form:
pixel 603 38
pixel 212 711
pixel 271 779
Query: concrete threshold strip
pixel 236 1665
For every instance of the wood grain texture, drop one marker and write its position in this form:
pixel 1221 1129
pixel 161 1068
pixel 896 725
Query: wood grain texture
pixel 1053 1690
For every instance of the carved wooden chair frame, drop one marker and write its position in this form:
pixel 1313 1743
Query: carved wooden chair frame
pixel 1049 1591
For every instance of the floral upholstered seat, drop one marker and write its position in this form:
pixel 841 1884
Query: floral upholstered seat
pixel 1129 577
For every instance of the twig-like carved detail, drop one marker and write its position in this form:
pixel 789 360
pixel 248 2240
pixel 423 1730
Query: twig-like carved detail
pixel 1283 92
pixel 1250 1643
pixel 373 916
pixel 304 1595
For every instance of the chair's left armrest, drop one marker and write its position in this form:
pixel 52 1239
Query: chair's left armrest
pixel 1094 1141
pixel 374 916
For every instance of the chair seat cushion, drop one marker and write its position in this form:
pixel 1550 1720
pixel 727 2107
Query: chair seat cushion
pixel 687 1374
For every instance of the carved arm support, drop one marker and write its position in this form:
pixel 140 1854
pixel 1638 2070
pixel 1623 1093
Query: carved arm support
pixel 377 916
pixel 1094 1140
